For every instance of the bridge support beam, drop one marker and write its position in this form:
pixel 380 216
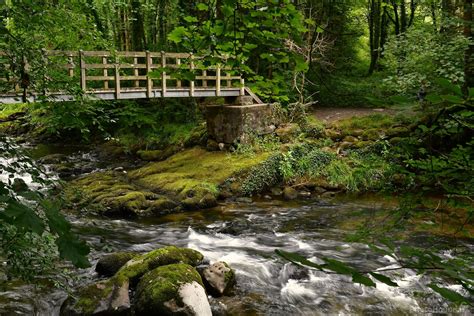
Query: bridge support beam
pixel 229 123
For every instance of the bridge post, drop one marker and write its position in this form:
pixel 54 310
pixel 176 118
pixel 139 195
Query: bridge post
pixel 163 74
pixel 82 62
pixel 105 73
pixel 149 81
pixel 229 123
pixel 191 84
pixel 242 86
pixel 117 77
pixel 218 80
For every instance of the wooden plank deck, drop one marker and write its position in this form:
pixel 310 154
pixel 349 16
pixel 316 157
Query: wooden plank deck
pixel 132 75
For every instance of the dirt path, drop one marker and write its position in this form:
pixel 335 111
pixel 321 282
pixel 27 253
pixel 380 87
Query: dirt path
pixel 336 114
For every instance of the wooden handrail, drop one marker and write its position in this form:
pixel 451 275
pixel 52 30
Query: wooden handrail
pixel 126 69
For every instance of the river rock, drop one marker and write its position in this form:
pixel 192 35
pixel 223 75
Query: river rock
pixel 100 298
pixel 304 194
pixel 350 139
pixel 288 132
pixel 218 278
pixel 276 191
pixel 52 159
pixel 175 289
pixel 108 265
pixel 19 185
pixel 289 193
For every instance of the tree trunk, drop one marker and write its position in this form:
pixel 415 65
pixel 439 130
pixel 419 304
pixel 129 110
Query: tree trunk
pixel 403 17
pixel 433 16
pixel 374 36
pixel 138 33
pixel 396 17
pixel 469 53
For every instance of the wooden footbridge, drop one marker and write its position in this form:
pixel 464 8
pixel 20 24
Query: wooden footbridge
pixel 116 75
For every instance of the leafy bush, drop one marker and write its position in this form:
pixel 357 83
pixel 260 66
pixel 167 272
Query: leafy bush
pixel 421 54
pixel 33 232
pixel 299 161
pixel 263 176
pixel 78 119
pixel 359 172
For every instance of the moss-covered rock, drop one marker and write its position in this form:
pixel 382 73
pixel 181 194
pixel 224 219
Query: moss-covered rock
pixel 111 296
pixel 175 289
pixel 111 193
pixel 100 298
pixel 108 265
pixel 289 193
pixel 189 179
pixel 218 278
pixel 139 265
pixel 157 155
pixel 371 134
pixel 193 175
pixel 288 132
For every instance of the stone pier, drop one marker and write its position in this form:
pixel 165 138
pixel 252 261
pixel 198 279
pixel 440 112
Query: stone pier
pixel 230 122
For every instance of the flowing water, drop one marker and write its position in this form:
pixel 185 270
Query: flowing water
pixel 245 235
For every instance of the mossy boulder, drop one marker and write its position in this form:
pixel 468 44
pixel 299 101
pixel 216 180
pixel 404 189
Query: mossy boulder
pixel 157 155
pixel 288 132
pixel 289 193
pixel 399 131
pixel 140 265
pixel 218 278
pixel 101 298
pixel 371 134
pixel 111 296
pixel 111 193
pixel 193 176
pixel 190 179
pixel 108 265
pixel 175 289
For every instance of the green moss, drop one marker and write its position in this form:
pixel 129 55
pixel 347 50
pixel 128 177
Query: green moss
pixel 161 205
pixel 229 275
pixel 370 127
pixel 91 296
pixel 193 175
pixel 162 285
pixel 135 268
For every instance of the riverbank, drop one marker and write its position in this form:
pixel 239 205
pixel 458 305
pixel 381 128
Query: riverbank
pixel 316 189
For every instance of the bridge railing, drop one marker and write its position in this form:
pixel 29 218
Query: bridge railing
pixel 155 73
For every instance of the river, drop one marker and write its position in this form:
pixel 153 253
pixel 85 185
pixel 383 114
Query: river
pixel 245 235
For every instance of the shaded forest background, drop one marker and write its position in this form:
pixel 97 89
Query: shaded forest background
pixel 345 53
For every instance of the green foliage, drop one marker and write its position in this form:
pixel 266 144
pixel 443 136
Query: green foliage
pixel 246 35
pixel 421 54
pixel 262 176
pixel 33 231
pixel 304 160
pixel 257 144
pixel 71 119
pixel 359 172
pixel 441 151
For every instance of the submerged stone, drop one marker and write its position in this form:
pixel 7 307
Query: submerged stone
pixel 175 289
